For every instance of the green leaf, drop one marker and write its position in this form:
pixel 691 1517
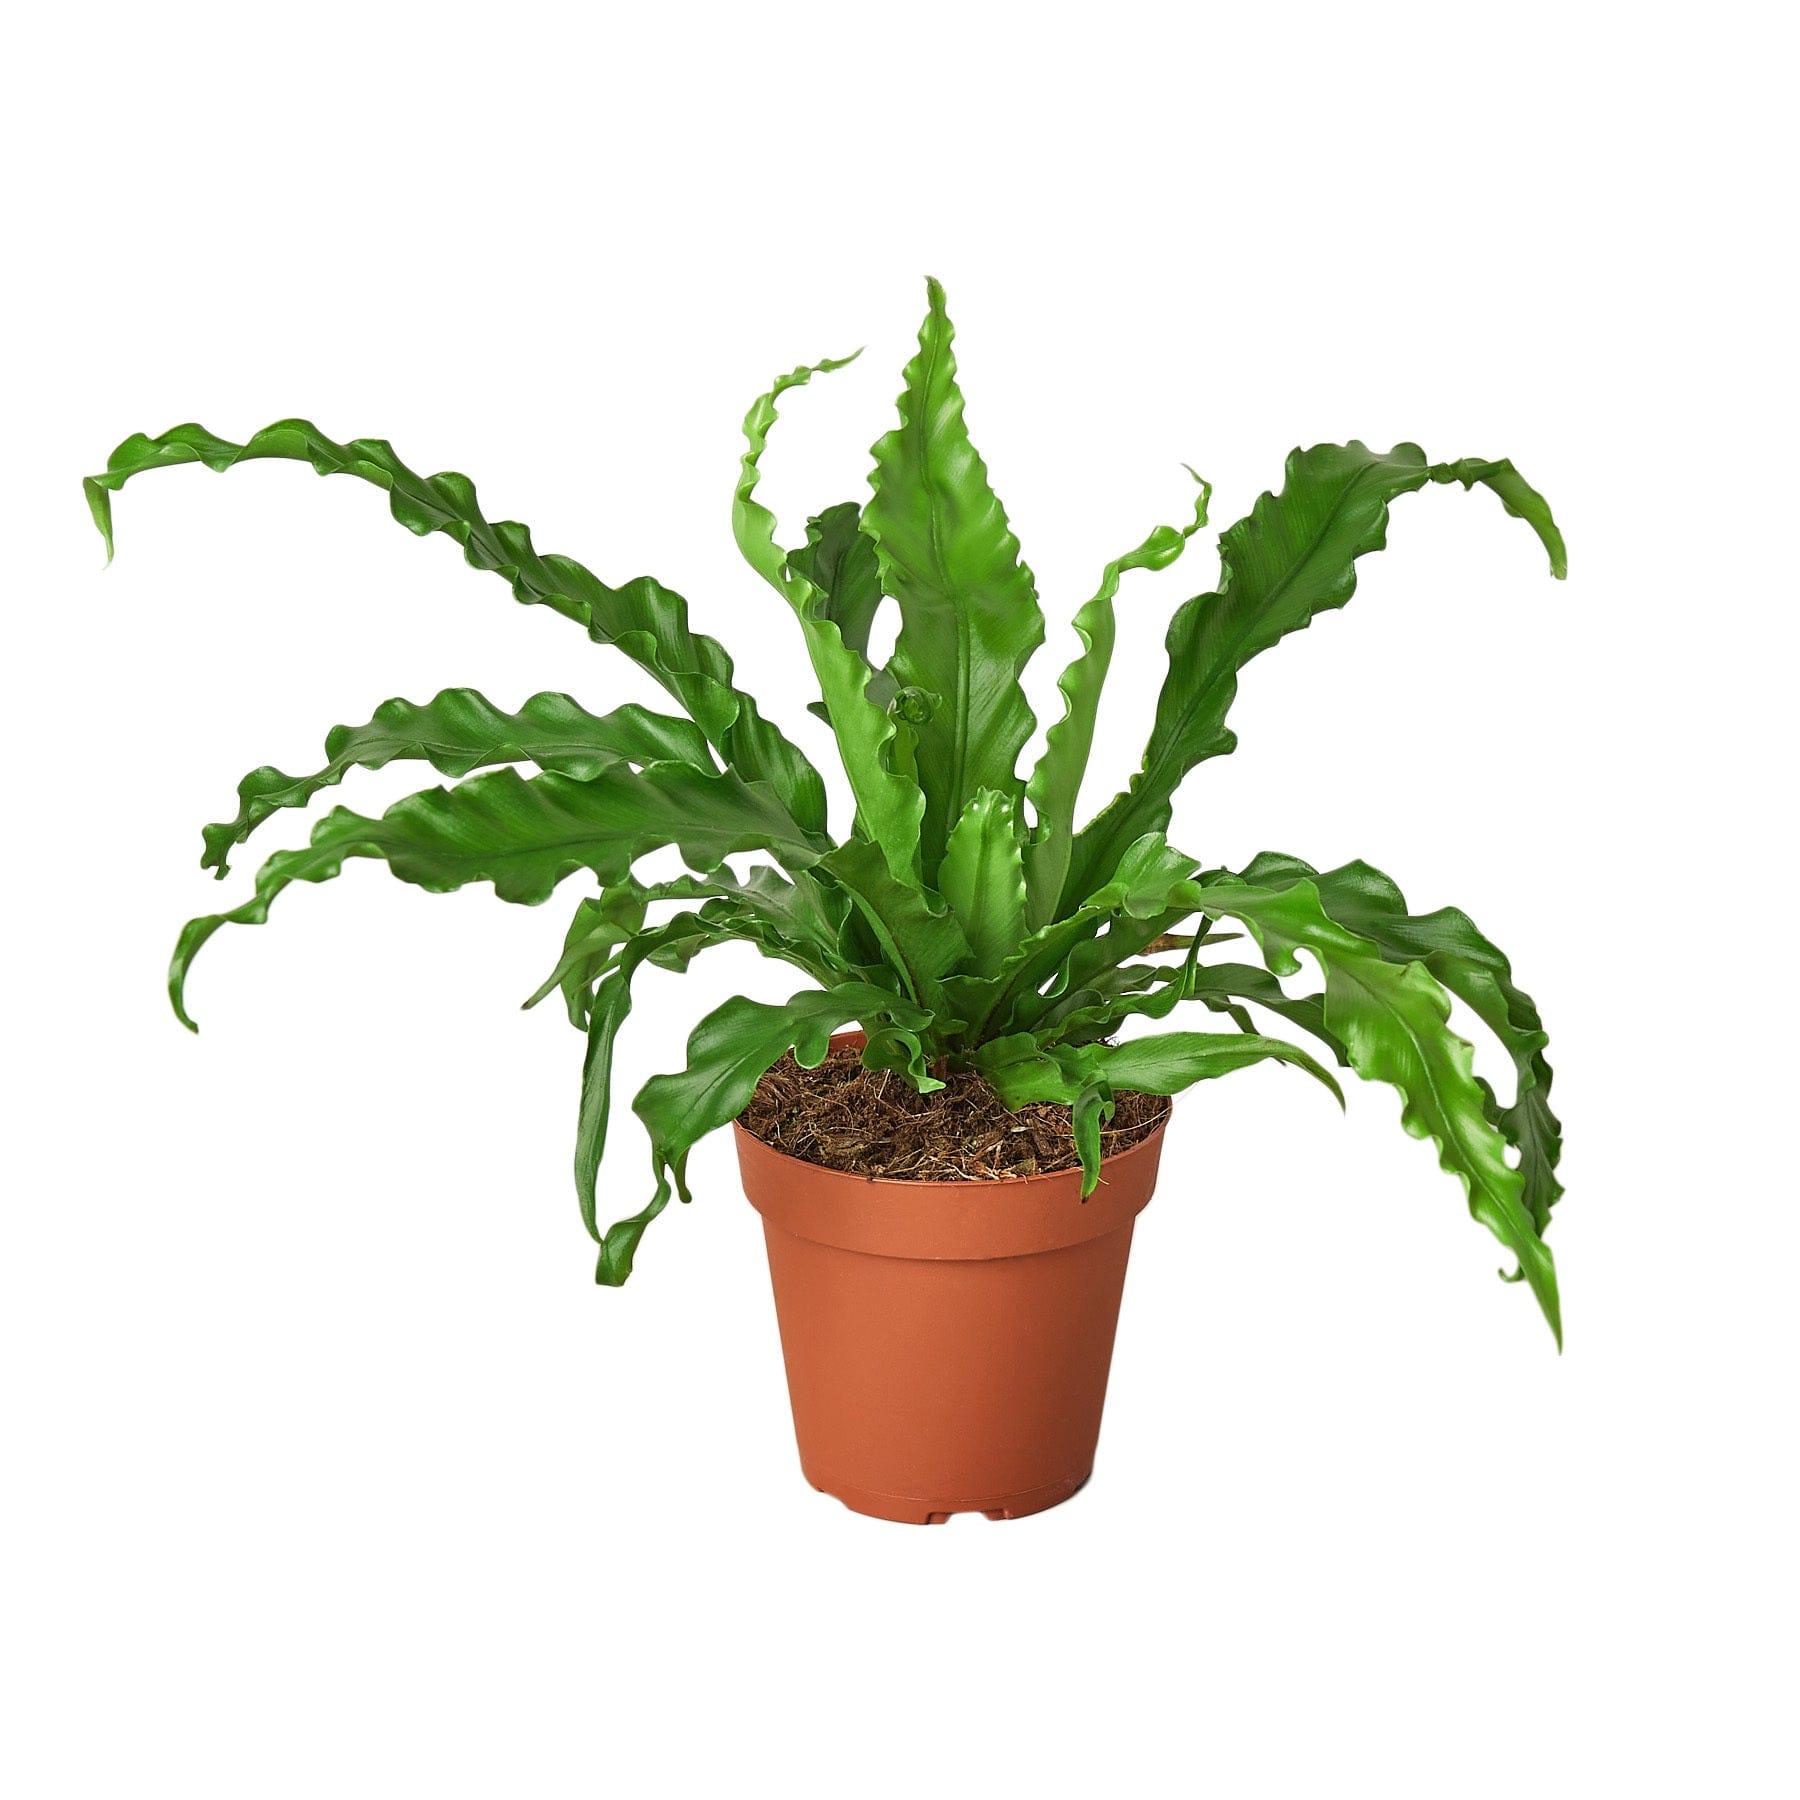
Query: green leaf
pixel 1230 983
pixel 983 878
pixel 1085 1014
pixel 602 925
pixel 524 835
pixel 739 911
pixel 618 1248
pixel 902 1052
pixel 645 620
pixel 612 1004
pixel 1132 930
pixel 1148 875
pixel 968 607
pixel 1055 784
pixel 458 732
pixel 1392 1020
pixel 1293 557
pixel 726 1056
pixel 1517 495
pixel 920 943
pixel 794 922
pixel 1174 1060
pixel 802 910
pixel 1143 989
pixel 1447 942
pixel 1022 1071
pixel 888 800
pixel 838 559
pixel 1092 1111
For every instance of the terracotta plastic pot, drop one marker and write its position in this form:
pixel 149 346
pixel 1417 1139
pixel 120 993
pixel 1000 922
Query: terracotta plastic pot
pixel 947 1343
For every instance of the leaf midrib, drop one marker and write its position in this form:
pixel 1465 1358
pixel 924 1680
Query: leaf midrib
pixel 928 480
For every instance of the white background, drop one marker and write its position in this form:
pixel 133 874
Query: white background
pixel 328 1469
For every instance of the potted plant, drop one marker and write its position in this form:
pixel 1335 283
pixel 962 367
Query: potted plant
pixel 948 1190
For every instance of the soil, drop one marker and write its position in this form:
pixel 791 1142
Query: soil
pixel 865 1122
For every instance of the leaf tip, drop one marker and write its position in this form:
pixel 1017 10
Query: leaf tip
pixel 100 505
pixel 178 969
pixel 1549 1301
pixel 937 308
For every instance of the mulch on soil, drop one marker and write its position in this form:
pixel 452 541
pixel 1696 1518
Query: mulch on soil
pixel 865 1122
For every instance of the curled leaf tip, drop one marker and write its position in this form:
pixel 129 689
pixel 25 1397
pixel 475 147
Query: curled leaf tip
pixel 1202 502
pixel 826 365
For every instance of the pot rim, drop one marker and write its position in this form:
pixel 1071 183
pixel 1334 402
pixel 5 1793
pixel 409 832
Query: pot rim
pixel 974 1183
pixel 977 1220
pixel 1118 1159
